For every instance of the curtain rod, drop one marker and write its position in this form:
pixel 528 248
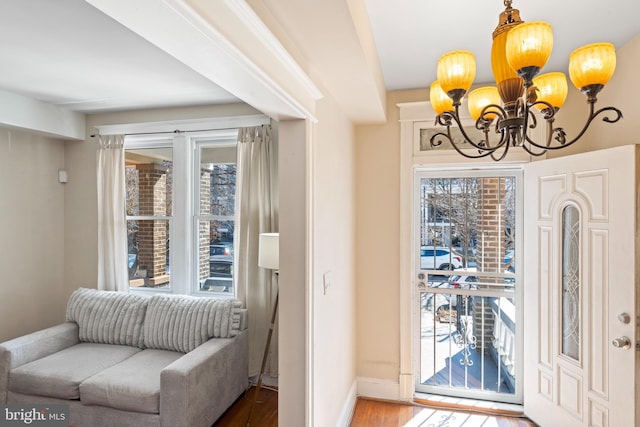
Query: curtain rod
pixel 177 131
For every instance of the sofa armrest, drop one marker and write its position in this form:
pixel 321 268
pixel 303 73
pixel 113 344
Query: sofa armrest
pixel 197 388
pixel 27 348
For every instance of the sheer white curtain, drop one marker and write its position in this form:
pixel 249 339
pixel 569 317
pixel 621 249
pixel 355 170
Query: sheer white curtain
pixel 257 207
pixel 112 236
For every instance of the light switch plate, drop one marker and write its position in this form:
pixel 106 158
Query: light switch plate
pixel 327 280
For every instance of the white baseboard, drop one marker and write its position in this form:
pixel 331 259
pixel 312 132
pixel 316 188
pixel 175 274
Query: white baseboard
pixel 349 406
pixel 378 388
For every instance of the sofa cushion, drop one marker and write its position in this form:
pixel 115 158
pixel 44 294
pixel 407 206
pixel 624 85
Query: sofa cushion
pixel 181 323
pixel 108 317
pixel 60 374
pixel 131 385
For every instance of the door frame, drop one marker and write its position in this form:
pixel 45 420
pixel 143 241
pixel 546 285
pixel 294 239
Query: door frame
pixel 413 116
pixel 488 170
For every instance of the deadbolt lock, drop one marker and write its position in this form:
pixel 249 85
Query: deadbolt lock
pixel 624 318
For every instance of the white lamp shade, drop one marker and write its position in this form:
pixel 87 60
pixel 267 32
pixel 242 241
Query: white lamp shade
pixel 269 251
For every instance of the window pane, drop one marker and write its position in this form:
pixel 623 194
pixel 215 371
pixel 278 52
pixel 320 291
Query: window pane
pixel 217 185
pixel 149 183
pixel 149 175
pixel 468 222
pixel 571 282
pixel 215 269
pixel 148 249
pixel 217 198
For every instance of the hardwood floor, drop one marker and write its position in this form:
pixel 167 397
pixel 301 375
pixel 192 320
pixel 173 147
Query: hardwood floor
pixel 368 413
pixel 265 412
pixel 373 413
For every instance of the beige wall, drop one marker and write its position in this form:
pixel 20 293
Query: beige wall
pixel 622 92
pixel 333 216
pixel 33 293
pixel 377 242
pixel 377 209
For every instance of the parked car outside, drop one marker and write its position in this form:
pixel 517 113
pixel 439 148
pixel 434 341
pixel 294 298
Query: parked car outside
pixel 448 312
pixel 439 258
pixel 218 252
pixel 468 256
pixel 460 281
pixel 220 275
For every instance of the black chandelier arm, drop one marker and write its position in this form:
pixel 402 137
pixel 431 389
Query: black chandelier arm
pixel 486 116
pixel 482 145
pixel 444 119
pixel 502 156
pixel 560 135
pixel 549 116
pixel 526 147
pixel 548 111
pixel 436 141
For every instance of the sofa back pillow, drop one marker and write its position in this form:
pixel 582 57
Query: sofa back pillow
pixel 108 317
pixel 181 323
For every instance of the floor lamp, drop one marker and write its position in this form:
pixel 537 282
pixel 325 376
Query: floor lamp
pixel 268 258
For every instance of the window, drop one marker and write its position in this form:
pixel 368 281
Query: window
pixel 571 282
pixel 149 173
pixel 216 221
pixel 180 211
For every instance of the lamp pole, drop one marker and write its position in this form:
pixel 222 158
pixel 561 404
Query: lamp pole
pixel 268 258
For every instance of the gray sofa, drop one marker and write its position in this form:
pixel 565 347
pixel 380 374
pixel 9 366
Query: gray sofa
pixel 130 360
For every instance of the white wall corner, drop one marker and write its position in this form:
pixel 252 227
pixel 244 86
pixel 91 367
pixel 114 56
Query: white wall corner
pixel 378 388
pixel 349 406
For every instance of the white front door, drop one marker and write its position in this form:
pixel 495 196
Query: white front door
pixel 579 290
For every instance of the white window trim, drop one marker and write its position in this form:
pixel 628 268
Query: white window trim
pixel 221 138
pixel 145 135
pixel 155 141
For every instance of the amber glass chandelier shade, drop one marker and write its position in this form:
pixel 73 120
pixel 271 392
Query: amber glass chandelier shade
pixel 501 69
pixel 551 88
pixel 592 64
pixel 529 45
pixel 456 70
pixel 440 101
pixel 480 98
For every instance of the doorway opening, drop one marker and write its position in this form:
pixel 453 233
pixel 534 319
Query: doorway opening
pixel 467 238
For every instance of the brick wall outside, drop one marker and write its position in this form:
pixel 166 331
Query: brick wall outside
pixel 204 226
pixel 491 247
pixel 153 235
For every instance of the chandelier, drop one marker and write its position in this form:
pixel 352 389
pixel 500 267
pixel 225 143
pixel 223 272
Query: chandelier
pixel 505 114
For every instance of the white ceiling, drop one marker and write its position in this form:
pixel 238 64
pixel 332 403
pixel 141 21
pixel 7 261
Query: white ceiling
pixel 410 35
pixel 69 54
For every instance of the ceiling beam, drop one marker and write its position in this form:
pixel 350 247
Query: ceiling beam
pixel 21 112
pixel 217 40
